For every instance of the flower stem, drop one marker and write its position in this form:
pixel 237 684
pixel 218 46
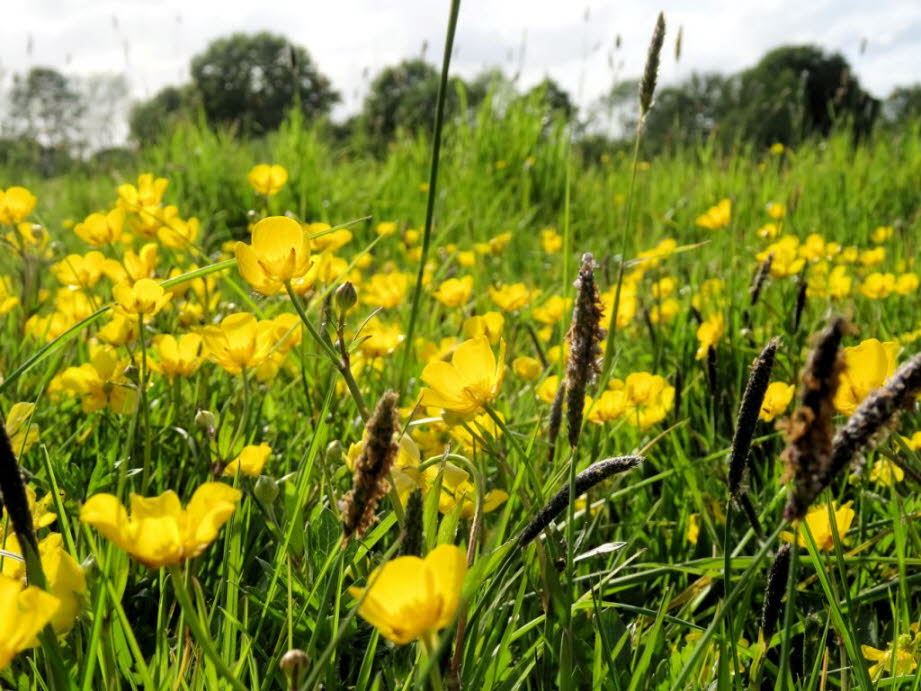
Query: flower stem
pixel 430 643
pixel 331 353
pixel 198 629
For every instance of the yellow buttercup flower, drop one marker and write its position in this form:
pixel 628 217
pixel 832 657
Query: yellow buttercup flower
pixel 552 310
pixel 866 367
pixel 409 598
pixel 80 271
pixel 885 473
pixel 528 368
pixel 551 241
pixel 820 527
pixel 178 357
pixel 489 325
pixel 903 653
pixel 16 203
pixel 99 229
pixel 472 378
pixel 147 194
pixel 22 434
pixel 457 491
pixel 8 301
pixel 454 292
pixel 709 334
pixel 511 297
pixel 693 532
pixel 65 579
pixel 25 612
pixel 267 179
pixel 385 290
pixel 240 342
pixel 787 260
pixel 648 398
pixel 279 253
pixel 145 297
pixel 776 399
pixel 878 285
pixel 158 531
pixel 250 461
pixel 99 382
pixel 716 216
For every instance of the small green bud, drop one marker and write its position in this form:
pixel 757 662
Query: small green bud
pixel 204 420
pixel 294 663
pixel 334 453
pixel 346 297
pixel 266 490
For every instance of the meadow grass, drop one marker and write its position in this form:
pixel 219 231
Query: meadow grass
pixel 665 582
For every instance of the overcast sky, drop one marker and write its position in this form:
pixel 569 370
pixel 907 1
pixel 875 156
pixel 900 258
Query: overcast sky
pixel 573 42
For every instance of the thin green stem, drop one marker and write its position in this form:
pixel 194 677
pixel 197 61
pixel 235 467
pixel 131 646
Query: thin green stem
pixel 432 190
pixel 198 630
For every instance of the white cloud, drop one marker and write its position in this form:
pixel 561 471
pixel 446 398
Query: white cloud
pixel 153 41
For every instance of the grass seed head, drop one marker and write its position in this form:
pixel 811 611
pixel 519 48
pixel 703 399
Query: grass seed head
pixel 774 592
pixel 752 400
pixel 651 71
pixel 585 336
pixel 369 483
pixel 810 429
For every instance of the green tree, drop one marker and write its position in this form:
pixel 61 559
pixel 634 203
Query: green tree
pixel 46 106
pixel 903 104
pixel 401 96
pixel 251 80
pixel 151 119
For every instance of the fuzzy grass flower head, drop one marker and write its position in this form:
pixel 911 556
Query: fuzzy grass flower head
pixel 279 253
pixel 409 598
pixel 158 531
pixel 25 612
pixel 866 367
pixel 471 380
pixel 267 180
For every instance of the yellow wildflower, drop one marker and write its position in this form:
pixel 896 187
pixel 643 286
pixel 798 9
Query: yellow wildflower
pixel 716 216
pixel 472 378
pixel 250 461
pixel 866 367
pixel 34 608
pixel 409 598
pixel 776 399
pixel 267 179
pixel 158 531
pixel 820 527
pixel 279 253
pixel 709 334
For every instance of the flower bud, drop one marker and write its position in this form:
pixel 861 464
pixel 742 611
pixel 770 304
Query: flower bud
pixel 346 297
pixel 334 452
pixel 266 490
pixel 294 663
pixel 204 420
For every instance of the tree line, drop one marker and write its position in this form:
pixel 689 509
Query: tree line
pixel 248 83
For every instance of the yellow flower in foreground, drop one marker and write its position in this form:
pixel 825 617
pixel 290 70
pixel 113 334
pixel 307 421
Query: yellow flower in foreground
pixel 279 253
pixel 25 612
pixel 866 367
pixel 267 179
pixel 250 462
pixel 716 216
pixel 472 378
pixel 22 435
pixel 903 652
pixel 648 398
pixel 65 579
pixel 409 598
pixel 709 333
pixel 820 527
pixel 158 531
pixel 776 399
pixel 15 205
pixel 146 296
pixel 240 342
